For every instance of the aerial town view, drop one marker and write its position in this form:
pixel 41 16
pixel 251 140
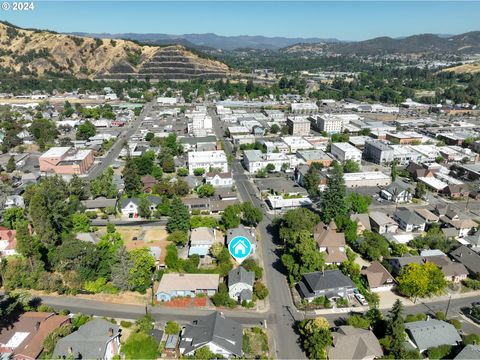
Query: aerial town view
pixel 239 179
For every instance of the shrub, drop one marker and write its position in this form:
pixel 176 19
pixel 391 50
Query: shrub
pixel 91 214
pixel 440 315
pixel 172 328
pixel 358 321
pixel 439 352
pixel 456 323
pixel 126 324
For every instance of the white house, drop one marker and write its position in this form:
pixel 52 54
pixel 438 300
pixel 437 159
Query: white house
pixel 207 160
pixel 240 284
pixel 129 206
pixel 219 179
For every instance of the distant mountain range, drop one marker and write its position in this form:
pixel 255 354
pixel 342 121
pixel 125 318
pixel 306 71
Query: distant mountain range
pixel 213 41
pixel 468 43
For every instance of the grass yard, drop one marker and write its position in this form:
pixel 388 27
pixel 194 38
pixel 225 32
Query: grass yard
pixel 255 343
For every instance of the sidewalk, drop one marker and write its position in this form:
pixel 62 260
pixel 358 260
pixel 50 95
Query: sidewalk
pixel 388 298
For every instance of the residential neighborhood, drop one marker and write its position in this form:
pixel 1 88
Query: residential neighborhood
pixel 167 197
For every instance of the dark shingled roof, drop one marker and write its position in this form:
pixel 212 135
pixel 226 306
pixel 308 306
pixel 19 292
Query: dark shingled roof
pixel 89 341
pixel 215 328
pixel 240 275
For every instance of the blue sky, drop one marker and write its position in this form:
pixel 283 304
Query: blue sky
pixel 345 20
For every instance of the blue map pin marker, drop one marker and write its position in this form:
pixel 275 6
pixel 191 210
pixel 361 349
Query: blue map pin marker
pixel 240 248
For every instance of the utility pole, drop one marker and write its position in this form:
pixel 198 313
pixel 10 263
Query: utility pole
pixel 448 306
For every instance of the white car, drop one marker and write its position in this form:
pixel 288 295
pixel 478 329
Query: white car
pixel 361 299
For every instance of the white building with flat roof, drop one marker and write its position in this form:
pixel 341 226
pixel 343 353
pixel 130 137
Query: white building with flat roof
pixel 369 178
pixel 296 143
pixel 304 108
pixel 255 160
pixel 207 160
pixel 329 123
pixel 345 151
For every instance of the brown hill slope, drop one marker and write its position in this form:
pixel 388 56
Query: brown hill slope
pixel 43 51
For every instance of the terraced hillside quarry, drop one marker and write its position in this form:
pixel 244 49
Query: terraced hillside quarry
pixel 172 62
pixel 40 53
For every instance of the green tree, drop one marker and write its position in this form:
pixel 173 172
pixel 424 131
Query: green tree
pixel 179 218
pixel 145 163
pixel 270 168
pixel 333 199
pixel 396 330
pixel 121 268
pixel 420 190
pixel 359 203
pixel 131 178
pixel 251 215
pixel 86 131
pixel 374 246
pixel 78 188
pixel 143 267
pixel 11 166
pixel 394 170
pixel 274 129
pixel 315 337
pixel 50 211
pixel 12 216
pixel 178 237
pixel 44 132
pixel 231 217
pixel 144 208
pixel 417 280
pixel 260 290
pixel 81 223
pixel 205 190
pixel 351 166
pixel 104 185
pixel 312 179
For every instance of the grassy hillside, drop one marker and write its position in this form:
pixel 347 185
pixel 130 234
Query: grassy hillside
pixel 40 52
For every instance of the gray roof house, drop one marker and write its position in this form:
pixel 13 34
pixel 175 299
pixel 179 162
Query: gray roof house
pixel 241 230
pixel 129 206
pixel 409 221
pixel 467 257
pixel 329 283
pixel 473 240
pixel 431 333
pixel 97 339
pixel 221 335
pixel 99 203
pixel 352 343
pixel 240 284
pixel 469 352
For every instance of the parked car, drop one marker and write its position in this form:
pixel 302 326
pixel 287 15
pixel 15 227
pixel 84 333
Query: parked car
pixel 361 299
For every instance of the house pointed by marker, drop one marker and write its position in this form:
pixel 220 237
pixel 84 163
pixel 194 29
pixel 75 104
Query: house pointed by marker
pixel 240 248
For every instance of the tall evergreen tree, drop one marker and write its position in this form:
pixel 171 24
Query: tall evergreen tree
pixel 396 330
pixel 131 178
pixel 333 199
pixel 179 218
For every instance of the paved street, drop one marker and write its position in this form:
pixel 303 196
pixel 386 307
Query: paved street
pixel 284 313
pixel 117 147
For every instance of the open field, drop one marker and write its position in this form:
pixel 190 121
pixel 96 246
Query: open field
pixel 149 236
pixel 465 68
